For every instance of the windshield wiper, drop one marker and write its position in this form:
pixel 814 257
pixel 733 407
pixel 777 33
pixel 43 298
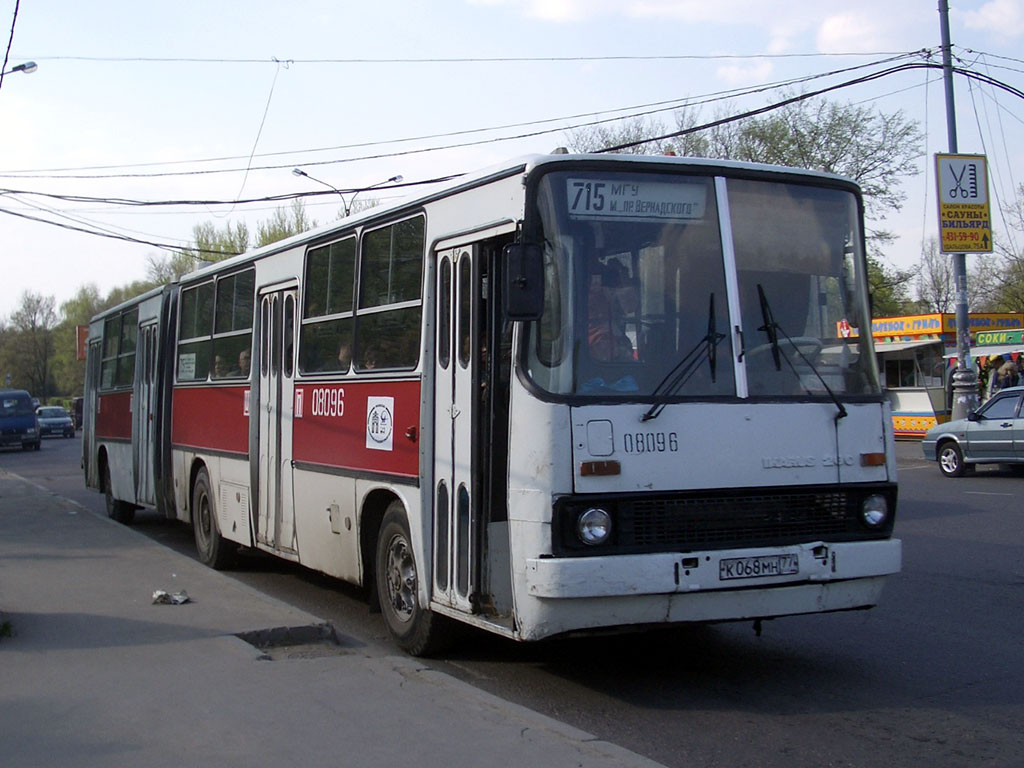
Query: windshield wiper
pixel 770 327
pixel 685 368
pixel 772 330
pixel 713 338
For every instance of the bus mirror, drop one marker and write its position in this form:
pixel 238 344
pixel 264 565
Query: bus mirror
pixel 524 282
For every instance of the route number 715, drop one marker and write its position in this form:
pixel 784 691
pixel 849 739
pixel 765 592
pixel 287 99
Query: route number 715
pixel 589 196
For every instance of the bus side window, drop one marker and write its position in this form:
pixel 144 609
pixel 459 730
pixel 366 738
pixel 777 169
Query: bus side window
pixel 289 336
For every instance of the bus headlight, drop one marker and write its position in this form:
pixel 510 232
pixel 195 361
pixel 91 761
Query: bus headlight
pixel 874 510
pixel 594 526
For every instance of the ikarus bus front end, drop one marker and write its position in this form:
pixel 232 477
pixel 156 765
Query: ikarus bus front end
pixel 697 428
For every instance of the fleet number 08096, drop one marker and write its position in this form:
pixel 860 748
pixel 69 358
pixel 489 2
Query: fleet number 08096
pixel 650 442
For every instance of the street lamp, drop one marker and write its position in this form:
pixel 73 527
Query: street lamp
pixel 347 203
pixel 28 68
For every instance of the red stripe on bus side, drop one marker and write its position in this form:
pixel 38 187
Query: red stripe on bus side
pixel 322 435
pixel 211 417
pixel 114 416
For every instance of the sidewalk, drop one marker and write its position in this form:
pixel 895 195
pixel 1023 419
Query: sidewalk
pixel 97 675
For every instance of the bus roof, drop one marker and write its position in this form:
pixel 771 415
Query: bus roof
pixel 450 185
pixel 130 302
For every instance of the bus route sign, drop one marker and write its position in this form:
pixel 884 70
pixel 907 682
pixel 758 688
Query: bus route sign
pixel 965 223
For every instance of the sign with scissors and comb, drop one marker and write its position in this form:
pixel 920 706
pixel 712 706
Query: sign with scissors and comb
pixel 965 223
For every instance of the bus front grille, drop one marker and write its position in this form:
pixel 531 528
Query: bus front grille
pixel 721 519
pixel 716 522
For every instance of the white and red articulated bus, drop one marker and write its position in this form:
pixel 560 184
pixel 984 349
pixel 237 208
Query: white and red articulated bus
pixel 568 393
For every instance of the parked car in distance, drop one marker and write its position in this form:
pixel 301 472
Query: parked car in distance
pixel 994 434
pixel 18 422
pixel 54 420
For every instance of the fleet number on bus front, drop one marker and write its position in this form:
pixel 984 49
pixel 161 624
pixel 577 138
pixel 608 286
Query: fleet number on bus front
pixel 650 442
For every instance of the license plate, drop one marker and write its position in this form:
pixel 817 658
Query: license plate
pixel 754 567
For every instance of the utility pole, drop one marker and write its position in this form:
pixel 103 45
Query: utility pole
pixel 965 380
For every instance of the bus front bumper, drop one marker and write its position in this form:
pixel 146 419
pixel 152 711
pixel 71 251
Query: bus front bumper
pixel 708 571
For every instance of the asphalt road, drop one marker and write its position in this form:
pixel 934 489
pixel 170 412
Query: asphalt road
pixel 932 676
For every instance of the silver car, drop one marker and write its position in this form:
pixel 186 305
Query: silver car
pixel 54 420
pixel 994 434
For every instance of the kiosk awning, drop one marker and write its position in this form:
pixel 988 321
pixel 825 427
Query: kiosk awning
pixel 900 346
pixel 995 349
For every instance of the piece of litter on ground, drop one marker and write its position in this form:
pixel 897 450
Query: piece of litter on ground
pixel 165 597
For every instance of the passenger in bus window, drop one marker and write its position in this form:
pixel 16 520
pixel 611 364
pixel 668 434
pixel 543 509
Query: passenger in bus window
pixel 607 311
pixel 220 367
pixel 344 356
pixel 243 364
pixel 369 359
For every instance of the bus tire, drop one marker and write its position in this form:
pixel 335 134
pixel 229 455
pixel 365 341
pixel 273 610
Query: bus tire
pixel 213 549
pixel 417 630
pixel 117 510
pixel 951 459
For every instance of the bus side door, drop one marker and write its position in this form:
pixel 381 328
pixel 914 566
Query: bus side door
pixel 275 526
pixel 455 450
pixel 90 407
pixel 143 453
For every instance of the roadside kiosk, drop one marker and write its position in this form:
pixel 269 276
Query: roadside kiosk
pixel 917 357
pixel 997 358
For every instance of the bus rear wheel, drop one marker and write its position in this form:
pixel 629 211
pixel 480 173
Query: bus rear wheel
pixel 118 510
pixel 417 630
pixel 213 549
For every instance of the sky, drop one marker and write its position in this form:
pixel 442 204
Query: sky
pixel 214 102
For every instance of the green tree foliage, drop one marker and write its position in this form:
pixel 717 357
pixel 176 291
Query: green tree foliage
pixel 34 345
pixel 69 372
pixel 888 287
pixel 211 244
pixel 284 223
pixel 935 286
pixel 875 149
pixel 28 345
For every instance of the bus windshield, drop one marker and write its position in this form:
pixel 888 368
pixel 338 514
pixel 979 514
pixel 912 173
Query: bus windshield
pixel 675 286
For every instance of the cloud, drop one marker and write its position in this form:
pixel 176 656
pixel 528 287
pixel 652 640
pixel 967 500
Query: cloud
pixel 558 10
pixel 854 32
pixel 872 25
pixel 745 74
pixel 1003 18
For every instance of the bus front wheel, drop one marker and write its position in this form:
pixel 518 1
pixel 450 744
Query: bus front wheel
pixel 213 549
pixel 416 629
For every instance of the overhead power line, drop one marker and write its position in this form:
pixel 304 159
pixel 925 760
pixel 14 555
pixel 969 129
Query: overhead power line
pixel 266 199
pixel 980 77
pixel 458 59
pixel 632 112
pixel 10 42
pixel 112 235
pixel 812 94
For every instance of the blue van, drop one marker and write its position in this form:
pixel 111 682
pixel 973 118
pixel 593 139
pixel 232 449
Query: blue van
pixel 18 422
